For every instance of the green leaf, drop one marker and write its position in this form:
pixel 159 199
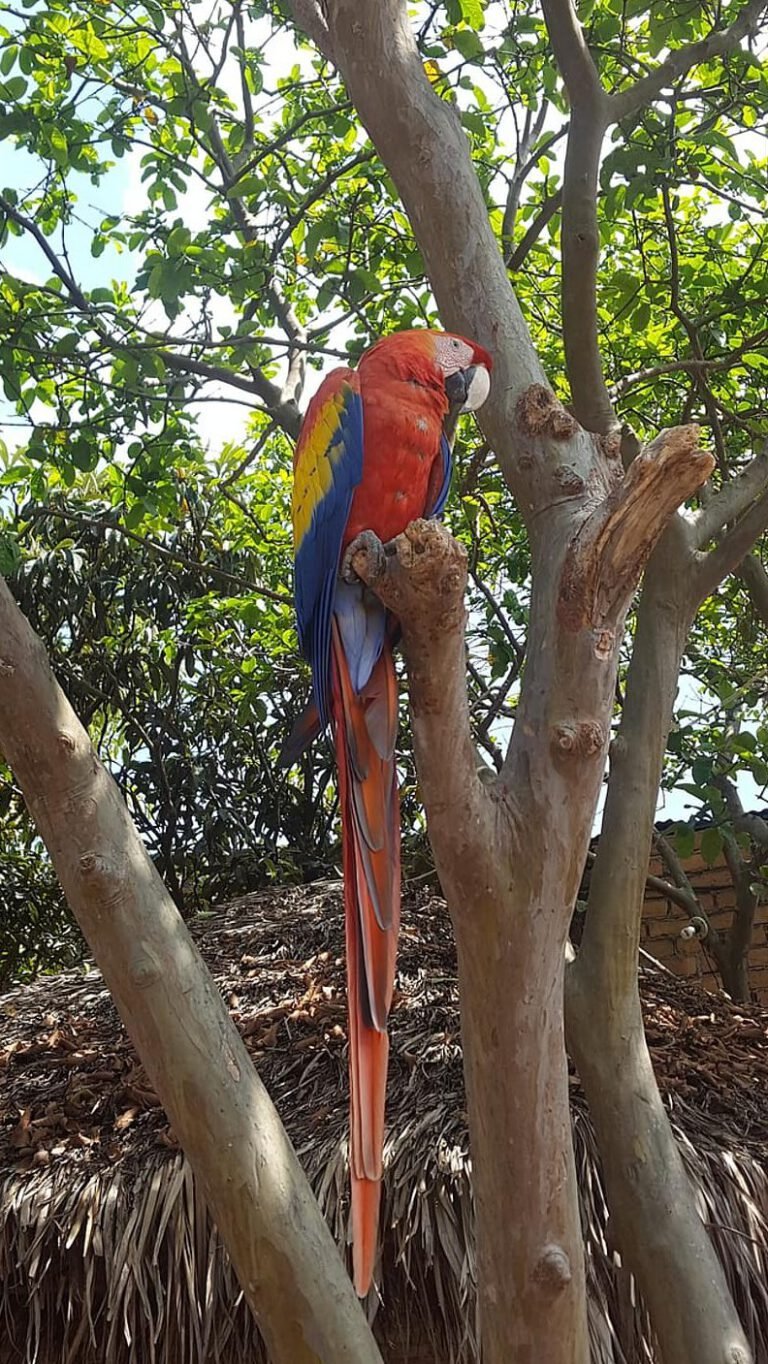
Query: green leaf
pixel 641 315
pixel 13 90
pixel 155 281
pixel 134 516
pixel 701 770
pixel 711 846
pixel 178 239
pixel 685 841
pixel 84 454
pixel 472 12
pixel 10 554
pixel 59 145
pixel 468 44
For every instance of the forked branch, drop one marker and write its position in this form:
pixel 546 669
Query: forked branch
pixel 610 550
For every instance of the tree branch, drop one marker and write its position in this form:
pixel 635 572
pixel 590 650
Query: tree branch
pixel 732 499
pixel 608 554
pixel 610 939
pixel 719 947
pixel 524 163
pixel 319 188
pixel 285 413
pixel 546 213
pixel 61 272
pixel 279 402
pixel 743 822
pixel 684 899
pixel 518 649
pixel 422 144
pixel 267 148
pixel 740 936
pixel 280 1246
pixel 656 1223
pixel 245 92
pixel 219 575
pixel 422 578
pixel 695 366
pixel 572 55
pixel 310 17
pixel 728 553
pixel 678 873
pixel 506 957
pixel 752 572
pixel 580 237
pixel 716 44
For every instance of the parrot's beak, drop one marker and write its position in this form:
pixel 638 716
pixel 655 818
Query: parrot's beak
pixel 468 389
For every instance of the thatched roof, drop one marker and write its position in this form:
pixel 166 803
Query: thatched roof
pixel 106 1252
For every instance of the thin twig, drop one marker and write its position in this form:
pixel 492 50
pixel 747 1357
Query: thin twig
pixel 716 44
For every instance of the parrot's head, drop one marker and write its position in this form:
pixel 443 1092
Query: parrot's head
pixel 457 368
pixel 466 370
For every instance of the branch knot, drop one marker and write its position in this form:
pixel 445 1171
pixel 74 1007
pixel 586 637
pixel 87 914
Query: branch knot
pixel 539 413
pixel 579 739
pixel 553 1269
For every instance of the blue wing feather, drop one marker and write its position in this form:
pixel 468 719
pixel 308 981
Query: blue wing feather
pixel 337 446
pixel 446 456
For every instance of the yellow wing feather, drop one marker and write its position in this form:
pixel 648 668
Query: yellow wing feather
pixel 319 450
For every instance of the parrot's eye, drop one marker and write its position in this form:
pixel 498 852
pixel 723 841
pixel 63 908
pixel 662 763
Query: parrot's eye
pixel 455 344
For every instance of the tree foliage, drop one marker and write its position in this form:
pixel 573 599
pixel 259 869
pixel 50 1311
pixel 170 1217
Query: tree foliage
pixel 195 217
pixel 240 228
pixel 195 223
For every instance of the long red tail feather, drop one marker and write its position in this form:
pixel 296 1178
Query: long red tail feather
pixel 365 729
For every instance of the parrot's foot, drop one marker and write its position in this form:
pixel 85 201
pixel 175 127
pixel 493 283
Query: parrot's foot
pixel 420 576
pixel 368 544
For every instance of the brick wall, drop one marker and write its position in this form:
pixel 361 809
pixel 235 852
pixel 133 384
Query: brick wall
pixel 662 922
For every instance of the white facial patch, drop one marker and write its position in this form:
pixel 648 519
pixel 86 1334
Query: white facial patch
pixel 452 353
pixel 479 388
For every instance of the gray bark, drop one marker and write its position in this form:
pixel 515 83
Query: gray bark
pixel 655 1222
pixel 280 1246
pixel 509 854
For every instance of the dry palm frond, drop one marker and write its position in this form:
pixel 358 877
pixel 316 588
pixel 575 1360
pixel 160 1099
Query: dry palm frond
pixel 106 1251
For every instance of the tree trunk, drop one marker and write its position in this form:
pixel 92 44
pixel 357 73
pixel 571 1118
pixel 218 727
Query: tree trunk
pixel 510 932
pixel 655 1221
pixel 279 1243
pixel 510 854
pixel 530 1260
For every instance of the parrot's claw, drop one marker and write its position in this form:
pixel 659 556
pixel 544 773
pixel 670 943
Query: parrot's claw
pixel 367 543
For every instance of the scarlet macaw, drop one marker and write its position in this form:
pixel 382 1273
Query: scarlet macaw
pixel 373 454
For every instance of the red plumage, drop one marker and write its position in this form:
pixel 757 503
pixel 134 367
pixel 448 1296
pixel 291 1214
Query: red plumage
pixel 387 463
